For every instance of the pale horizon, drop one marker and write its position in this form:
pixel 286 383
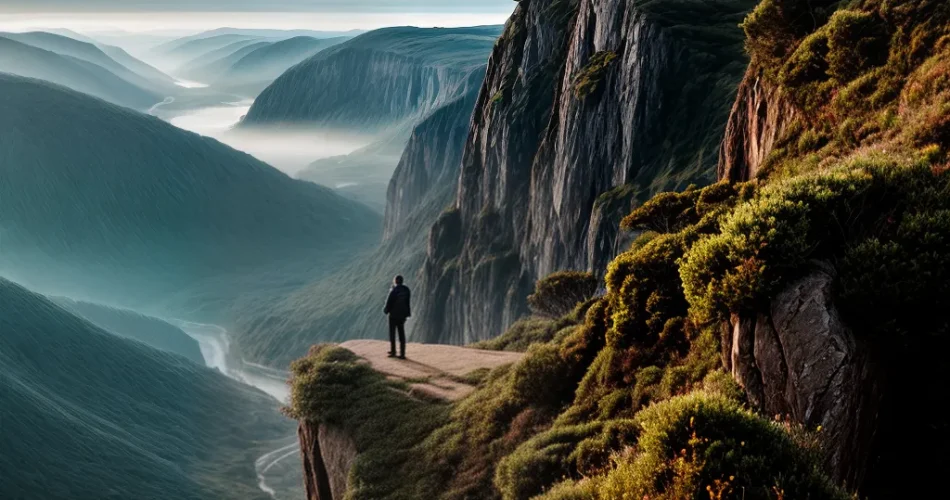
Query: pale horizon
pixel 179 23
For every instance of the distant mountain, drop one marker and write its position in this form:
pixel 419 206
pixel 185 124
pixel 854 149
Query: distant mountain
pixel 136 65
pixel 88 415
pixel 132 325
pixel 180 51
pixel 75 35
pixel 276 34
pixel 108 205
pixel 149 78
pixel 377 80
pixel 212 65
pixel 22 59
pixel 267 63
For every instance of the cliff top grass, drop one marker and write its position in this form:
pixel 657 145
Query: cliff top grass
pixel 332 386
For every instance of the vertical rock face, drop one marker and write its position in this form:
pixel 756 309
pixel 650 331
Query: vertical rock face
pixel 759 117
pixel 587 105
pixel 376 80
pixel 800 360
pixel 328 455
pixel 431 159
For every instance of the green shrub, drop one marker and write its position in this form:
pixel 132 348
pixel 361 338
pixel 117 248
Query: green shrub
pixel 525 332
pixel 857 41
pixel 543 378
pixel 775 27
pixel 703 446
pixel 541 461
pixel 594 454
pixel 559 294
pixel 765 243
pixel 569 490
pixel 590 76
pixel 664 213
pixel 805 73
pixel 645 291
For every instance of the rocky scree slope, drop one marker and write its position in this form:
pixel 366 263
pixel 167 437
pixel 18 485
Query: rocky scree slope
pixel 588 106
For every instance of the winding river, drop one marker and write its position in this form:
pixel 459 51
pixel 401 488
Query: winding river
pixel 215 349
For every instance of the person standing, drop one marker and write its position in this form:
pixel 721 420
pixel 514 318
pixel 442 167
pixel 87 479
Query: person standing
pixel 398 309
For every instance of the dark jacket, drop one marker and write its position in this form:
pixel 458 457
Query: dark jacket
pixel 397 305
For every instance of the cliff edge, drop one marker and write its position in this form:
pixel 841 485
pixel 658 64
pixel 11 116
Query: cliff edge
pixel 433 376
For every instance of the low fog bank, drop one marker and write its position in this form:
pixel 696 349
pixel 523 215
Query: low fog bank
pixel 357 165
pixel 290 149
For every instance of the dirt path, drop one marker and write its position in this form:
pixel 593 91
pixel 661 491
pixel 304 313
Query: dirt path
pixel 437 371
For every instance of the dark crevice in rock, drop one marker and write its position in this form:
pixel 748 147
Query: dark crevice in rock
pixel 316 480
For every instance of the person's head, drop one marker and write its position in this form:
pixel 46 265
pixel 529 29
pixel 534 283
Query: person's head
pixel 398 280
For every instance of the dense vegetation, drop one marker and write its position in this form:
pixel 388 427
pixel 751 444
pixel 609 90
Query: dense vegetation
pixel 625 396
pixel 87 415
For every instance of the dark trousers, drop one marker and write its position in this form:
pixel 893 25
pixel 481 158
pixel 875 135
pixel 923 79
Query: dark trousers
pixel 397 325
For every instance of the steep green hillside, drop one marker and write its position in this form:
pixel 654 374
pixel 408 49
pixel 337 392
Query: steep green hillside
pixel 88 415
pixel 103 203
pixel 377 79
pixel 130 324
pixel 26 60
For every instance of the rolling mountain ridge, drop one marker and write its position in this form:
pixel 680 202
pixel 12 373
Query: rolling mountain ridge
pixel 134 211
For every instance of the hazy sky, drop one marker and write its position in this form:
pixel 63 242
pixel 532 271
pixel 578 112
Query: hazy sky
pixel 161 15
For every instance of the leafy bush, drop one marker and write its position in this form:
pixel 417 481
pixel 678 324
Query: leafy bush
pixel 775 27
pixel 525 332
pixel 703 446
pixel 560 293
pixel 645 292
pixel 768 241
pixel 664 213
pixel 542 378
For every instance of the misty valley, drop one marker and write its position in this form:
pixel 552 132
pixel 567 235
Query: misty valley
pixel 543 249
pixel 150 199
